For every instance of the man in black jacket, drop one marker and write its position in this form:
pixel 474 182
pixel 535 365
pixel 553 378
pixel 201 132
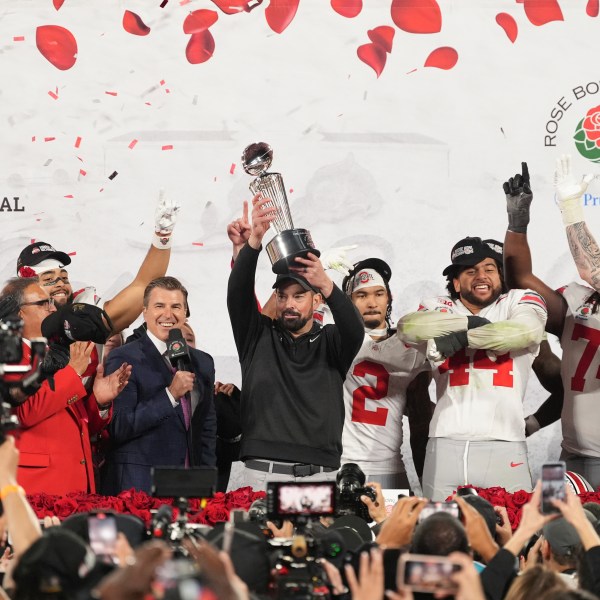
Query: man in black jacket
pixel 292 370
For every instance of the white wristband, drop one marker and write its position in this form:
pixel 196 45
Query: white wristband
pixel 162 242
pixel 571 210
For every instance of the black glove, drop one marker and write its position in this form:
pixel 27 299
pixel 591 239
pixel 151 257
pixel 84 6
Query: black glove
pixel 77 322
pixel 518 198
pixel 57 358
pixel 451 343
pixel 473 321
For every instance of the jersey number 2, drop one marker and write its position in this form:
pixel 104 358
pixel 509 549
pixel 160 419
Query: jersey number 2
pixel 360 413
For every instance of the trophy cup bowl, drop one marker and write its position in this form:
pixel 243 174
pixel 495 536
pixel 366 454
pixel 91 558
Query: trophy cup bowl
pixel 289 241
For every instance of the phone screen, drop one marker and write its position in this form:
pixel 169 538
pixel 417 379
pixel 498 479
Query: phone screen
pixel 427 573
pixel 433 507
pixel 553 485
pixel 292 499
pixel 102 531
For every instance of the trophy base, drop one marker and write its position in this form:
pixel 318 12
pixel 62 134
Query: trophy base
pixel 286 246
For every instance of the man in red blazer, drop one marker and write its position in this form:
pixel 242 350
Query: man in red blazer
pixel 56 421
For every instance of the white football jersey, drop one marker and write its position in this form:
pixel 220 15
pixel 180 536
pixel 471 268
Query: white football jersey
pixel 480 394
pixel 580 372
pixel 374 399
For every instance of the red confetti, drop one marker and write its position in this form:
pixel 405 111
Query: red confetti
pixel 32 241
pixel 540 12
pixel 69 196
pixel 101 190
pixel 77 142
pixel 72 253
pixel 167 91
pixel 280 13
pixel 132 144
pixel 49 139
pixel 82 172
pixel 442 58
pixel 232 169
pixel 52 95
pixel 162 82
pixel 232 7
pixel 57 45
pixel 592 8
pixel 373 55
pixel 509 25
pixel 197 243
pixel 133 23
pixel 200 47
pixel 148 103
pixel 383 36
pixel 57 4
pixel 19 38
pixel 33 138
pixel 424 16
pixel 291 190
pixel 111 93
pixel 168 147
pixel 347 8
pixel 199 20
pixel 184 2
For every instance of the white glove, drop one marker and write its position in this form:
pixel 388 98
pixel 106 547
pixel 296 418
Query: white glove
pixel 335 258
pixel 569 191
pixel 165 218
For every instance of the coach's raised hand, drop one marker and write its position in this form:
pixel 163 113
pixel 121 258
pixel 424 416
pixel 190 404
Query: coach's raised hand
pixel 518 199
pixel 262 215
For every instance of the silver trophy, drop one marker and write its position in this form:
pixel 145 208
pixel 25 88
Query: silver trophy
pixel 289 241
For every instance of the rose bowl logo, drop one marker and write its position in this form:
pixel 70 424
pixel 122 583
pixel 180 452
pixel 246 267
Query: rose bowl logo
pixel 587 135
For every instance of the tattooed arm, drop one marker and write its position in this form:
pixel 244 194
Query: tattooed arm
pixel 585 252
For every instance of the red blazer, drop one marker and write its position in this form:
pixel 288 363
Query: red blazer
pixel 54 438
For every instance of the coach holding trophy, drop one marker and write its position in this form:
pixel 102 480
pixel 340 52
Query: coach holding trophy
pixel 293 370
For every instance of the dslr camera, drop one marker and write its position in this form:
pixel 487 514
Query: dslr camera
pixel 351 486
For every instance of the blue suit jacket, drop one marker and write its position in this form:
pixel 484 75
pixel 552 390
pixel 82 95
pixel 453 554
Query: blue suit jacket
pixel 146 430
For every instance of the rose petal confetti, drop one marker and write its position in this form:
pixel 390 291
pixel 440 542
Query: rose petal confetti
pixel 69 196
pixel 52 95
pixel 232 7
pixel 540 13
pixel 424 16
pixel 57 45
pixel 280 14
pixel 132 23
pixel 33 138
pixel 111 93
pixel 82 172
pixel 199 20
pixel 197 243
pixel 373 55
pixel 382 35
pixel 592 8
pixel 19 38
pixel 132 144
pixel 200 47
pixel 57 4
pixel 77 142
pixel 49 139
pixel 112 175
pixel 168 147
pixel 184 2
pixel 71 253
pixel 509 25
pixel 442 58
pixel 347 8
pixel 232 169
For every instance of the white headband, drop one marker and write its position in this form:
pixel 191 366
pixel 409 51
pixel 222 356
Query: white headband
pixel 46 265
pixel 366 278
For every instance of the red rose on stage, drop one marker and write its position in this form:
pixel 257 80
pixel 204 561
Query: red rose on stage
pixel 64 507
pixel 520 498
pixel 241 498
pixel 216 512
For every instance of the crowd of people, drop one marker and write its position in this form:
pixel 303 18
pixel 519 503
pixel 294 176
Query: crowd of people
pixel 326 381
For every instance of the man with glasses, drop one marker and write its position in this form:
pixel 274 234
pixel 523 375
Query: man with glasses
pixel 57 420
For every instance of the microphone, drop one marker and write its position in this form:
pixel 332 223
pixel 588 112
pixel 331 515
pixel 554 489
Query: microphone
pixel 161 521
pixel 178 351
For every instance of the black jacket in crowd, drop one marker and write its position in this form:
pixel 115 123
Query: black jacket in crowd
pixel 292 388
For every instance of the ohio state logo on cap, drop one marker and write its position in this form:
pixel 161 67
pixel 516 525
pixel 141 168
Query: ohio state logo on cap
pixel 365 276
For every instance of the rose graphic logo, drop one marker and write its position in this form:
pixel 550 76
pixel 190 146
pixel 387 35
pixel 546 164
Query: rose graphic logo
pixel 587 135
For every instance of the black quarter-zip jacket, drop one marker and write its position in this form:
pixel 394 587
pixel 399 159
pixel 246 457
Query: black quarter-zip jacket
pixel 292 400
